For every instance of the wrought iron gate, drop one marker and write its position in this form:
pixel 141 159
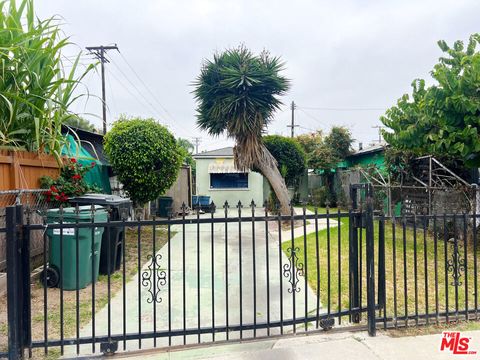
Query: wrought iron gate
pixel 234 273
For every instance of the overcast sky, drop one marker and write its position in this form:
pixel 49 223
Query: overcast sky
pixel 347 56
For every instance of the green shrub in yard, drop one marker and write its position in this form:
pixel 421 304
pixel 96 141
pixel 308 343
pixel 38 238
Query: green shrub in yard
pixel 321 196
pixel 289 155
pixel 144 155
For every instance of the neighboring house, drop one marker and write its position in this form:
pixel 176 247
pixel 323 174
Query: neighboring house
pixel 364 157
pixel 218 178
pixel 349 171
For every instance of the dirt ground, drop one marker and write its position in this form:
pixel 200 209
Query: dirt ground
pixel 69 308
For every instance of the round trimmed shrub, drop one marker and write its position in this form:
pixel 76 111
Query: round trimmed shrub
pixel 145 157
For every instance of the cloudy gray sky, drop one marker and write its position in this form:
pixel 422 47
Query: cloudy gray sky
pixel 346 56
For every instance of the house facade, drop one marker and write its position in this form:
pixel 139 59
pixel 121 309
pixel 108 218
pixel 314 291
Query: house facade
pixel 217 177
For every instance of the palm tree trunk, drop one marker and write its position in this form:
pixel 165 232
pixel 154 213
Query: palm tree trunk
pixel 270 171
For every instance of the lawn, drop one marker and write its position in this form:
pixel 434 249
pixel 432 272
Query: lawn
pixel 85 295
pixel 405 292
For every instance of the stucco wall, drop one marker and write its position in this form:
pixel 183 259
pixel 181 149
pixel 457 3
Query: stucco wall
pixel 219 196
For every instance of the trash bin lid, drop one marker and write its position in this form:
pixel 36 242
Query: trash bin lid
pixel 101 199
pixel 84 212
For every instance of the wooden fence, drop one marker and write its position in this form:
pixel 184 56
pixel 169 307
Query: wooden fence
pixel 22 170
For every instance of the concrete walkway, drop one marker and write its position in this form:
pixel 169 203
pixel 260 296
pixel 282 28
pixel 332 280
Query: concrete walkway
pixel 341 346
pixel 145 315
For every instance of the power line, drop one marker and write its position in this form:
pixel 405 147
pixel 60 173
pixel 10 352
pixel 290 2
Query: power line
pixel 172 121
pixel 146 87
pixel 113 96
pixel 306 128
pixel 311 116
pixel 128 89
pixel 344 108
pixel 136 88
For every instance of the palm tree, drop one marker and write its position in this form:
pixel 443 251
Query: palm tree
pixel 237 95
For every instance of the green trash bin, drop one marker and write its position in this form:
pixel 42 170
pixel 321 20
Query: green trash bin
pixel 164 206
pixel 67 277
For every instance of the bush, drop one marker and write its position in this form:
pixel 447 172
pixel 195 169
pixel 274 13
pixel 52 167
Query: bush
pixel 145 156
pixel 289 155
pixel 321 196
pixel 70 183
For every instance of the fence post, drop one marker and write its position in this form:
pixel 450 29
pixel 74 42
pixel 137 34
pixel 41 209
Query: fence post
pixel 354 290
pixel 25 276
pixel 381 267
pixel 370 263
pixel 14 279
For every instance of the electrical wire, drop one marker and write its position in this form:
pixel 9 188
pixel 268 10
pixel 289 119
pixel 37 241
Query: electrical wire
pixel 141 100
pixel 311 117
pixel 145 86
pixel 172 121
pixel 343 109
pixel 134 86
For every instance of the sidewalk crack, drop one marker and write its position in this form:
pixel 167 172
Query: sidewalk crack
pixel 364 343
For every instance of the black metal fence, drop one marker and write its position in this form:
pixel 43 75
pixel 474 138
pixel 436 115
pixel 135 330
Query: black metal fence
pixel 234 273
pixel 431 269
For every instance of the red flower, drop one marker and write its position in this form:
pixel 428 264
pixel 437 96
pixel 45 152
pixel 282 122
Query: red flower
pixel 92 164
pixel 73 160
pixel 57 197
pixel 76 177
pixel 48 193
pixel 53 188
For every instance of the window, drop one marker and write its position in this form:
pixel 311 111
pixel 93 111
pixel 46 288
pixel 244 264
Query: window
pixel 229 181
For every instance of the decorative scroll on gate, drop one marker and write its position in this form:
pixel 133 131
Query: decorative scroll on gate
pixel 293 270
pixel 153 278
pixel 456 265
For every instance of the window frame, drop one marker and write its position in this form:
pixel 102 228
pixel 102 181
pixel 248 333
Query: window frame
pixel 247 187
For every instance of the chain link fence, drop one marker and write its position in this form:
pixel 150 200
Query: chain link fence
pixel 33 201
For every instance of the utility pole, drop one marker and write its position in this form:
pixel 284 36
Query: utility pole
pixel 293 126
pixel 99 52
pixel 197 141
pixel 379 127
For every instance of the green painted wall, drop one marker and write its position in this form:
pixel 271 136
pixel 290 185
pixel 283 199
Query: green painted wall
pixel 254 192
pixel 364 160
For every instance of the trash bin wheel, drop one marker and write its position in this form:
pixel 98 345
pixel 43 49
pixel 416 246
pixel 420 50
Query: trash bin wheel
pixel 52 277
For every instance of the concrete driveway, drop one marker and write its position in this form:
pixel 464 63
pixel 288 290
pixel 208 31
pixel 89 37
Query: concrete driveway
pixel 206 294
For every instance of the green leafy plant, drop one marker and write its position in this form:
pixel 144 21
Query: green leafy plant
pixel 442 119
pixel 70 183
pixel 145 156
pixel 309 143
pixel 289 155
pixel 324 154
pixel 237 94
pixel 36 91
